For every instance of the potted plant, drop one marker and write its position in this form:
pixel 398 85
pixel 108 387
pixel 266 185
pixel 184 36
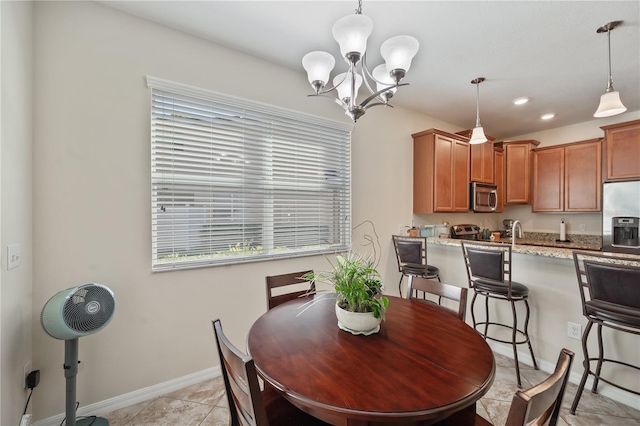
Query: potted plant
pixel 360 305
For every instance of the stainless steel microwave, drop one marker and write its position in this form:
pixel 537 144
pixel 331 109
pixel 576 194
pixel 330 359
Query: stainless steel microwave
pixel 483 197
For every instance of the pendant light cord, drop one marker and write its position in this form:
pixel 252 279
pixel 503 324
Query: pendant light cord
pixel 477 104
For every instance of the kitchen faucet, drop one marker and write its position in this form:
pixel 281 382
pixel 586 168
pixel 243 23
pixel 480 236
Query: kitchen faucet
pixel 513 232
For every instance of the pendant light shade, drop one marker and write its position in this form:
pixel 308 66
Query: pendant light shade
pixel 477 136
pixel 610 103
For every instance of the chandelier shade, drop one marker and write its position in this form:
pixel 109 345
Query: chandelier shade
pixel 352 32
pixel 318 66
pixel 398 52
pixel 610 103
pixel 344 83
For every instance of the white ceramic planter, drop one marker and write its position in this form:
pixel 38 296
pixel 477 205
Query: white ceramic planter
pixel 357 322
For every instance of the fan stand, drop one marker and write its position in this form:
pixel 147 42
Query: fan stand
pixel 70 373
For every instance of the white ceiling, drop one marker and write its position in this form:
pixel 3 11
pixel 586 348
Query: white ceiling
pixel 547 50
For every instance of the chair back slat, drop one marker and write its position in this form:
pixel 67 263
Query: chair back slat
pixel 293 279
pixel 540 405
pixel 246 405
pixel 448 291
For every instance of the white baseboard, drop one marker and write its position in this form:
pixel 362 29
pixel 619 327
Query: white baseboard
pixel 618 395
pixel 103 407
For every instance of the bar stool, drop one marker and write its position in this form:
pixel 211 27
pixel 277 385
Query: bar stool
pixel 411 254
pixel 610 295
pixel 489 269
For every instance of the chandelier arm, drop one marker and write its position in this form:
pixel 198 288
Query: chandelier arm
pixel 379 92
pixel 379 104
pixel 365 69
pixel 336 100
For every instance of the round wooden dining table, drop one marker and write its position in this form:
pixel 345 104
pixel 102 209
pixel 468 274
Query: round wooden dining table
pixel 422 366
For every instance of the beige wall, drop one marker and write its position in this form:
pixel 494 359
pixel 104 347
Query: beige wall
pixel 16 141
pixel 92 195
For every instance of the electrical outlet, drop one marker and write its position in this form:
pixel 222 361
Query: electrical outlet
pixel 574 330
pixel 25 372
pixel 583 227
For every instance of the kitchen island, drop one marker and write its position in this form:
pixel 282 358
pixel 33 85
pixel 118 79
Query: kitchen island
pixel 554 298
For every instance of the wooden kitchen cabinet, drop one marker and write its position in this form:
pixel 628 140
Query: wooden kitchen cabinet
pixel 517 166
pixel 440 172
pixel 498 175
pixel 622 150
pixel 567 178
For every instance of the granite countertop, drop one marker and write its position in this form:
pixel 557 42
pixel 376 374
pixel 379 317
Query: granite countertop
pixel 534 246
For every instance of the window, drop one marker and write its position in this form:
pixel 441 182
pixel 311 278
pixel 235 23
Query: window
pixel 236 181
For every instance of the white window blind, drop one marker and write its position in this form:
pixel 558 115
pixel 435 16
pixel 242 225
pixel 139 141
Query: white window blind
pixel 236 181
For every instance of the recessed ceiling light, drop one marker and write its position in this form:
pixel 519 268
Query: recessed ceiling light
pixel 548 116
pixel 521 101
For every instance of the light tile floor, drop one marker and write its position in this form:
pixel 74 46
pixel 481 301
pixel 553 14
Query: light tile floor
pixel 204 404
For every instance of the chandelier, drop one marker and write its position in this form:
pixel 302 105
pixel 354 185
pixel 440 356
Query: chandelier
pixel 351 33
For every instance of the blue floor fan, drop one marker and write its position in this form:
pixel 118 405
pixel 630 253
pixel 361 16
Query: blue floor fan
pixel 69 315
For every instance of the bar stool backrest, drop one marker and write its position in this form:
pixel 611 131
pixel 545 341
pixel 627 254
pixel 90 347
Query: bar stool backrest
pixel 609 283
pixel 617 284
pixel 410 250
pixel 488 262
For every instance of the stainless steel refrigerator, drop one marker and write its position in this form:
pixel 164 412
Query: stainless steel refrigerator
pixel 621 217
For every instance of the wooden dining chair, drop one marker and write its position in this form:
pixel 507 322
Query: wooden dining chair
pixel 448 291
pixel 293 280
pixel 248 405
pixel 538 405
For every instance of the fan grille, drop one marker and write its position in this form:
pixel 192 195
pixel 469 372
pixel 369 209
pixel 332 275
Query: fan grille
pixel 89 308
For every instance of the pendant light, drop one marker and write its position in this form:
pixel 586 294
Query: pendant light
pixel 477 136
pixel 610 103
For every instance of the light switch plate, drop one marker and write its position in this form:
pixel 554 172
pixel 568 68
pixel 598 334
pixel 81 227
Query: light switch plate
pixel 13 256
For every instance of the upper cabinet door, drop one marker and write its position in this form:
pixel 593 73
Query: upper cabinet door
pixel 482 169
pixel 622 150
pixel 583 177
pixel 548 180
pixel 518 171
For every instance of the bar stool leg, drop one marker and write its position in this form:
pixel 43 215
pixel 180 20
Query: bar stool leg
pixel 526 334
pixel 486 312
pixel 586 365
pixel 596 379
pixel 400 284
pixel 514 335
pixel 473 301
